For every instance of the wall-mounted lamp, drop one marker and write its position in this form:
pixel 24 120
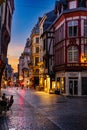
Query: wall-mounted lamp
pixel 84 59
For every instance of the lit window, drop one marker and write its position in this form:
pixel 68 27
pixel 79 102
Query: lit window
pixel 72 4
pixel 73 28
pixel 72 54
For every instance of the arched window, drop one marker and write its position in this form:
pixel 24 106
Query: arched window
pixel 72 54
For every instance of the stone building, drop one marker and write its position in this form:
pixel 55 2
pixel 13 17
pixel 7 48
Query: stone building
pixel 35 56
pixel 23 67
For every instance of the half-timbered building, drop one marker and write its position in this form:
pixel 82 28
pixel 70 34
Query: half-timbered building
pixel 70 46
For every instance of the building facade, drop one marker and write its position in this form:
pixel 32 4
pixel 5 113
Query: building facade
pixel 35 56
pixel 23 67
pixel 6 12
pixel 70 47
pixel 7 77
pixel 46 54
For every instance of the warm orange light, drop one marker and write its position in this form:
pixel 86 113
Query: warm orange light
pixel 83 59
pixel 53 84
pixel 62 81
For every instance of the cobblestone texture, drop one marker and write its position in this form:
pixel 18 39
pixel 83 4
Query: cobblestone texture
pixel 33 110
pixel 24 117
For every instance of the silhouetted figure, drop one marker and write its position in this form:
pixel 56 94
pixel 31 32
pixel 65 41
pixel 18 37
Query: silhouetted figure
pixel 11 101
pixel 3 104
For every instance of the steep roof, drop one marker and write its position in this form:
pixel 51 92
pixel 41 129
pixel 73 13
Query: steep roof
pixel 51 16
pixel 35 29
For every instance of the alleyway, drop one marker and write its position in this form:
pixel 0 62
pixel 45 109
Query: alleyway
pixel 33 110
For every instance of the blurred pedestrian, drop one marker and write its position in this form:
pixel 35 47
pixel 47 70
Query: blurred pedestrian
pixel 11 101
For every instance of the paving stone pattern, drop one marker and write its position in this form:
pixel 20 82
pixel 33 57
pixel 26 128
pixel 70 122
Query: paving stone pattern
pixel 24 117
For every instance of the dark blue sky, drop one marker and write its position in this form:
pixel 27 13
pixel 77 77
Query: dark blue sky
pixel 25 16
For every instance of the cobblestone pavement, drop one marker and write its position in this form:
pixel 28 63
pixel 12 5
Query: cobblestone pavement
pixel 24 116
pixel 35 110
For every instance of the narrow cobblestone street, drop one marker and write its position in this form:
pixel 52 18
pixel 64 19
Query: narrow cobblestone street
pixel 33 110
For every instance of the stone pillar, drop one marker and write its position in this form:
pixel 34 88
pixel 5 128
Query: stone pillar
pixel 79 84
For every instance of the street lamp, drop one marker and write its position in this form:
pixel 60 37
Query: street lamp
pixel 84 59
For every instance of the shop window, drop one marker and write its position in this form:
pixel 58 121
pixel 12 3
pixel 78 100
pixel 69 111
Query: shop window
pixel 72 28
pixel 72 54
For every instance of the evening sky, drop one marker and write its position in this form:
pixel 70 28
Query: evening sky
pixel 25 16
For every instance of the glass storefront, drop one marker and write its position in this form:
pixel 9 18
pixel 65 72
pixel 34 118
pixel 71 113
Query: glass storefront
pixel 73 86
pixel 84 85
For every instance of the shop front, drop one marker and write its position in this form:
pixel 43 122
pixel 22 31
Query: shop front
pixel 72 83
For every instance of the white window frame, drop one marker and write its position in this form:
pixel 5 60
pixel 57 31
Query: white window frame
pixel 72 4
pixel 72 24
pixel 72 54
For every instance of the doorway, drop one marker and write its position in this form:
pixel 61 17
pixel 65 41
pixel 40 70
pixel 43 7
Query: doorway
pixel 73 86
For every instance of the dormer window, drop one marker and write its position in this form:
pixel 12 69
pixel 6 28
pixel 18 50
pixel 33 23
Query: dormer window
pixel 72 4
